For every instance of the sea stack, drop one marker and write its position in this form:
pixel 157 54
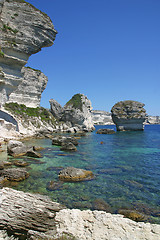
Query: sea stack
pixel 129 115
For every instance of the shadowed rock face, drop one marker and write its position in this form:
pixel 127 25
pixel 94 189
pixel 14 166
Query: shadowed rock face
pixel 24 30
pixel 128 115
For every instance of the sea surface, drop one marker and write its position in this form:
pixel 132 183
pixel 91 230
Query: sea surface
pixel 126 166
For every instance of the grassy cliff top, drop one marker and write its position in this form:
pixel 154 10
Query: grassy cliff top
pixel 75 101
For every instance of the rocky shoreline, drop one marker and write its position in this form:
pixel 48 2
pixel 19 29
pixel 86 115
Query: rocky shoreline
pixel 33 216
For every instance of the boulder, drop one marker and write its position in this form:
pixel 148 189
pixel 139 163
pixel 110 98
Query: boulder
pixel 15 148
pixel 20 163
pixel 105 131
pixel 33 154
pixel 14 174
pixel 129 115
pixel 68 146
pixel 60 140
pixel 72 174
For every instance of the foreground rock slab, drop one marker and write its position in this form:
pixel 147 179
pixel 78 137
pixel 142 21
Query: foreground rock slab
pixel 21 212
pixel 99 225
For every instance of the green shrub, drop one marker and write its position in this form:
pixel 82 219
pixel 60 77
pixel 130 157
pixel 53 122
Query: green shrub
pixel 26 112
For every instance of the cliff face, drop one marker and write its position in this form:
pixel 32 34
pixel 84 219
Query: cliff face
pixel 24 30
pixel 128 115
pixel 101 117
pixel 30 89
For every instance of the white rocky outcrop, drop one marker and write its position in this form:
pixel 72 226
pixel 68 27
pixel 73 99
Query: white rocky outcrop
pixel 101 117
pixel 24 30
pixel 99 225
pixel 30 89
pixel 38 217
pixel 153 120
pixel 76 113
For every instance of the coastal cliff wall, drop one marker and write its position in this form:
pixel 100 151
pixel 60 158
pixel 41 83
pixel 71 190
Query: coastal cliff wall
pixel 24 30
pixel 30 89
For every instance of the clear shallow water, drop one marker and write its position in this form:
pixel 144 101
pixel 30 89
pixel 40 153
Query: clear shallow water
pixel 126 168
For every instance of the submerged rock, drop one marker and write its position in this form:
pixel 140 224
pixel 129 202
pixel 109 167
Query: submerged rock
pixel 129 115
pixel 68 146
pixel 101 205
pixel 53 185
pixel 20 163
pixel 14 174
pixel 133 215
pixel 75 174
pixel 105 131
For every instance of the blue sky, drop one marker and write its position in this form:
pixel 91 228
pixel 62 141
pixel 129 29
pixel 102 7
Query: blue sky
pixel 107 49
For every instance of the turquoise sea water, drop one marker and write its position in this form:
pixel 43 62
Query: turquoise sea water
pixel 126 168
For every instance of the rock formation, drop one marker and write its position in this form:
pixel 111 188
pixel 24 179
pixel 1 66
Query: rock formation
pixel 71 174
pixel 30 89
pixel 128 115
pixel 24 30
pixel 101 117
pixel 105 131
pixel 37 217
pixel 77 112
pixel 56 109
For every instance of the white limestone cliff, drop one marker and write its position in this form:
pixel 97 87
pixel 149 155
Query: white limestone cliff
pixel 30 89
pixel 24 30
pixel 101 117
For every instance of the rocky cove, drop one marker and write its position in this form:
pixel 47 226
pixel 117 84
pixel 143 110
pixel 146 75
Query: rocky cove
pixel 76 176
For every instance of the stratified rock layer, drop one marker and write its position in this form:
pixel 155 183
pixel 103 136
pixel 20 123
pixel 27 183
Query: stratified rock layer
pixel 24 30
pixel 21 212
pixel 128 115
pixel 39 218
pixel 30 89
